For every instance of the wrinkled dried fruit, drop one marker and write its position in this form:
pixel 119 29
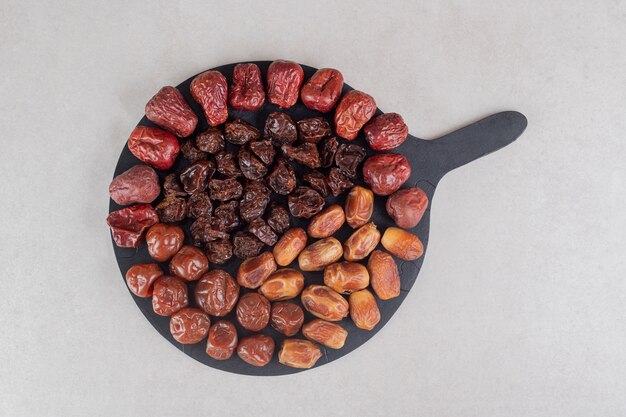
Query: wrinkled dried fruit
pixel 189 325
pixel 129 224
pixel 251 167
pixel 228 214
pixel 169 296
pixel 246 92
pixel 338 182
pixel 287 318
pixel 195 179
pixel 253 311
pixel 317 181
pixel 224 190
pixel 222 340
pixel 289 246
pixel 169 110
pixel 256 197
pixel 217 292
pixel 403 244
pixel 328 151
pixel 354 110
pixel 305 154
pixel 299 353
pixel 227 164
pixel 284 79
pixel 361 242
pixel 348 158
pixel 324 303
pixel 278 218
pixel 211 140
pixel 210 90
pixel 305 202
pixel 172 187
pixel 283 284
pixel 264 150
pixel 359 206
pixel 164 241
pixel 189 263
pixel 326 333
pixel 154 146
pixel 172 209
pixel 384 275
pixel 263 231
pixel 246 245
pixel 313 129
pixel 280 128
pixel 407 206
pixel 199 205
pixel 322 91
pixel 257 350
pixel 140 278
pixel 327 222
pixel 219 252
pixel 386 172
pixel 254 271
pixel 283 178
pixel 317 256
pixel 207 229
pixel 364 311
pixel 192 153
pixel 386 132
pixel 240 132
pixel 139 184
pixel 346 277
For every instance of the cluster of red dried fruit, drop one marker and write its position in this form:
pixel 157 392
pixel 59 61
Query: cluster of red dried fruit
pixel 229 197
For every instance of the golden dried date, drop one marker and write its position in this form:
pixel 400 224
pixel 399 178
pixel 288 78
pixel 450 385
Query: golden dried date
pixel 384 275
pixel 289 246
pixel 331 335
pixel 364 310
pixel 327 222
pixel 403 244
pixel 346 277
pixel 320 254
pixel 359 206
pixel 254 271
pixel 298 353
pixel 283 284
pixel 361 243
pixel 324 303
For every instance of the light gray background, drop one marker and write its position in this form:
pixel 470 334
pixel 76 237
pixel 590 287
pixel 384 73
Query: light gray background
pixel 520 306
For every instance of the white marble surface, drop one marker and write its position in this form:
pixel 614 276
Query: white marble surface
pixel 520 308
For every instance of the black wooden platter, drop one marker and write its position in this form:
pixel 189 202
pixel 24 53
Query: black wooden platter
pixel 430 161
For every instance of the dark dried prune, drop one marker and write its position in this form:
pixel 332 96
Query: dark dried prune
pixel 263 231
pixel 195 179
pixel 317 181
pixel 251 167
pixel 207 229
pixel 224 190
pixel 219 252
pixel 283 178
pixel 328 151
pixel 129 224
pixel 172 186
pixel 278 218
pixel 280 128
pixel 210 90
pixel 155 147
pixel 168 109
pixel 348 158
pixel 313 129
pixel 264 150
pixel 139 184
pixel 246 245
pixel 240 132
pixel 255 198
pixel 198 205
pixel 305 154
pixel 192 153
pixel 284 79
pixel 354 110
pixel 322 90
pixel 228 215
pixel 305 202
pixel 227 164
pixel 246 92
pixel 172 209
pixel 338 182
pixel 211 140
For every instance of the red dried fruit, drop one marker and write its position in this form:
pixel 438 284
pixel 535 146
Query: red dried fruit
pixel 129 224
pixel 246 92
pixel 164 241
pixel 322 90
pixel 253 311
pixel 189 263
pixel 257 349
pixel 140 278
pixel 217 292
pixel 169 110
pixel 386 132
pixel 210 90
pixel 154 146
pixel 170 295
pixel 284 79
pixel 189 325
pixel 385 173
pixel 222 340
pixel 407 206
pixel 354 110
pixel 139 184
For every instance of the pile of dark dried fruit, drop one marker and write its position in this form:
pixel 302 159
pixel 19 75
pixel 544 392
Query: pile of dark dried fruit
pixel 230 188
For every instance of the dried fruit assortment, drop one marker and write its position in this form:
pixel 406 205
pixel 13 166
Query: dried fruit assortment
pixel 272 197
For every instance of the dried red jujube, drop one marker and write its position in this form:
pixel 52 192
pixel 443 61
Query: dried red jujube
pixel 210 90
pixel 169 110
